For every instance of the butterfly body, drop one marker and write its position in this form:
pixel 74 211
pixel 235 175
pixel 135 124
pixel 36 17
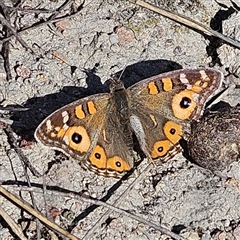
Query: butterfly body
pixel 97 130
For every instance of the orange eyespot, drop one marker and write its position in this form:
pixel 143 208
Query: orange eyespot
pixel 78 138
pixel 98 157
pixel 183 104
pixel 173 131
pixel 160 148
pixel 118 164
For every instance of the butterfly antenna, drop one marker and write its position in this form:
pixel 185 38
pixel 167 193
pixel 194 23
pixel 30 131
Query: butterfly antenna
pixel 124 68
pixel 117 80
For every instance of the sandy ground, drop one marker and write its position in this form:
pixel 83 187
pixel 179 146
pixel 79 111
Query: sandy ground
pixel 73 58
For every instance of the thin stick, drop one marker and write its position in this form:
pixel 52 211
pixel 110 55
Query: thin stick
pixel 39 24
pixel 13 142
pixel 35 213
pixel 111 208
pixel 14 32
pixel 186 21
pixel 13 225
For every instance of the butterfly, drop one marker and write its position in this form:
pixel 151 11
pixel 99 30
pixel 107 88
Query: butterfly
pixel 98 130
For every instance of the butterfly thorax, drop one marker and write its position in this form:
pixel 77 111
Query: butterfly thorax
pixel 121 110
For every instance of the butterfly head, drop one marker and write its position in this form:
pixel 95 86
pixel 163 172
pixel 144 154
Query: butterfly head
pixel 116 84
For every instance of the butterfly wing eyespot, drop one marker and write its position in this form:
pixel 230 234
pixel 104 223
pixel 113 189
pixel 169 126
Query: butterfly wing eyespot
pixel 98 158
pixel 77 138
pixel 184 103
pixel 116 163
pixel 173 131
pixel 161 148
pixel 200 85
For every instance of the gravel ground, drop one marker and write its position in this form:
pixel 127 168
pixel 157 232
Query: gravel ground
pixel 73 58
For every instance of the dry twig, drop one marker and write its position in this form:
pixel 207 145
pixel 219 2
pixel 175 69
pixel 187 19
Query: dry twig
pixel 21 203
pixel 23 158
pixel 187 22
pixel 13 225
